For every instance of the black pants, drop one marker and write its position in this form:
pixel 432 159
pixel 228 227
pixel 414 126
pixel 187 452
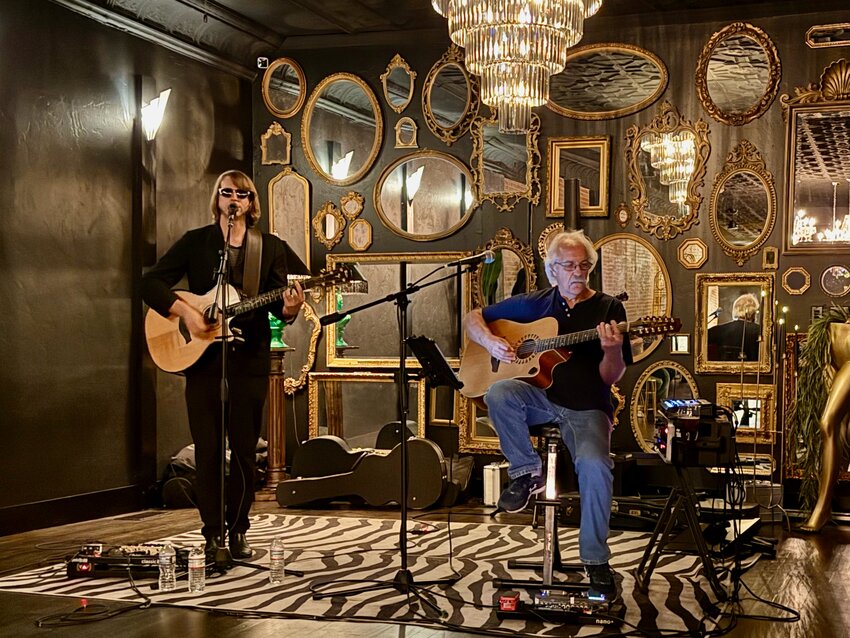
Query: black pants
pixel 247 396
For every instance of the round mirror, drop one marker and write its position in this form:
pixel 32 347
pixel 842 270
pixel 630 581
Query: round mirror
pixel 341 129
pixel 738 74
pixel 425 195
pixel 742 209
pixel 630 264
pixel 284 87
pixel 510 273
pixel 449 97
pixel 835 281
pixel 662 380
pixel 604 81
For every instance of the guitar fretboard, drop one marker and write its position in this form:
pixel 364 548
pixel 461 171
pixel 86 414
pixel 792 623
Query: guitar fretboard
pixel 561 341
pixel 275 295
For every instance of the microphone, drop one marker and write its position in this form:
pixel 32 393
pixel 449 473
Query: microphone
pixel 715 313
pixel 488 257
pixel 232 209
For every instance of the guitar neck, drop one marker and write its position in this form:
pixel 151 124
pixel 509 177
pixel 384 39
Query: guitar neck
pixel 266 298
pixel 571 339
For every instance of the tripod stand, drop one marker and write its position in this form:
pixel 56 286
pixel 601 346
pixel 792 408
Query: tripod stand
pixel 403 582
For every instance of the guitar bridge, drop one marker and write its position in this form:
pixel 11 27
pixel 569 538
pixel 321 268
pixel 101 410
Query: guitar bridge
pixel 494 365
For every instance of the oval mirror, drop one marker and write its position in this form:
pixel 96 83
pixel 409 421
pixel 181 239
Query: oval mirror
pixel 604 81
pixel 449 97
pixel 742 208
pixel 835 281
pixel 341 129
pixel 661 380
pixel 665 161
pixel 425 195
pixel 511 272
pixel 738 73
pixel 397 81
pixel 628 263
pixel 284 87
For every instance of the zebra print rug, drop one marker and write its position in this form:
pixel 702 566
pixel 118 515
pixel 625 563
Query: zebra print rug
pixel 333 549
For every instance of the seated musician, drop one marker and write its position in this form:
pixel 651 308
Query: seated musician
pixel 579 399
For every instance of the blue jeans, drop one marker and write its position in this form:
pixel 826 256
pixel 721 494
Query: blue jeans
pixel 513 406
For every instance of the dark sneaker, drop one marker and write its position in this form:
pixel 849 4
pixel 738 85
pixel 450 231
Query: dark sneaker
pixel 601 580
pixel 515 496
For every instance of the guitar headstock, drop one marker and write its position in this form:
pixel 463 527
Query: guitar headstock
pixel 648 326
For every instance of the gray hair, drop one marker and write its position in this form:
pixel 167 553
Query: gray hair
pixel 745 307
pixel 568 239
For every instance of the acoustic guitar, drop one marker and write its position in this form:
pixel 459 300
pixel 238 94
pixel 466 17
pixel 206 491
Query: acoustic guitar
pixel 173 348
pixel 375 477
pixel 539 349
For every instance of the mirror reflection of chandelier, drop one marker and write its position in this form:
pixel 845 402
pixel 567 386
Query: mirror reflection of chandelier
pixel 673 155
pixel 515 45
pixel 806 226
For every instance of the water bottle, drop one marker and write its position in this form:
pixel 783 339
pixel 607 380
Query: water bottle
pixel 167 568
pixel 276 561
pixel 197 569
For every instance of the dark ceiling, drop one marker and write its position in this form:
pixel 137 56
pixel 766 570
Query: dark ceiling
pixel 233 33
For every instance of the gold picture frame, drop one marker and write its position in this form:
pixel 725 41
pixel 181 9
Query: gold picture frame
pixel 587 159
pixel 329 224
pixel 721 351
pixel 796 280
pixel 692 253
pixel 754 409
pixel 435 311
pixel 276 145
pixel 355 405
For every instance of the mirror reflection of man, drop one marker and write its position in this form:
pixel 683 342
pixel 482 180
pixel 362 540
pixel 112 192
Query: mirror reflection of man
pixel 737 340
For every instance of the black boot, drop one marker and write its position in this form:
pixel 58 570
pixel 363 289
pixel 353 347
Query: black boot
pixel 239 547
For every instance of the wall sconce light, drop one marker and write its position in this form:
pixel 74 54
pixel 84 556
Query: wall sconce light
pixel 413 182
pixel 339 168
pixel 152 114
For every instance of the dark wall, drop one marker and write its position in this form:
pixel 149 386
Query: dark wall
pixel 74 444
pixel 678 40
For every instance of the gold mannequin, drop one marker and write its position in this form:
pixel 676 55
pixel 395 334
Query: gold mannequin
pixel 832 422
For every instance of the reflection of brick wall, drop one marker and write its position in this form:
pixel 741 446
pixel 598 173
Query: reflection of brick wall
pixel 629 267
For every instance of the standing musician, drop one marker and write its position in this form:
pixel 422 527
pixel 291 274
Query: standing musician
pixel 196 255
pixel 579 399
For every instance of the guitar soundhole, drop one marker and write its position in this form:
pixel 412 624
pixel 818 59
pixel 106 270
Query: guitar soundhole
pixel 525 349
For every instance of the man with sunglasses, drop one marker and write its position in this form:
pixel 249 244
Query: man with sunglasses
pixel 197 256
pixel 579 399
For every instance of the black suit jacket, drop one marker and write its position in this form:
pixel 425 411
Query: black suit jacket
pixel 725 340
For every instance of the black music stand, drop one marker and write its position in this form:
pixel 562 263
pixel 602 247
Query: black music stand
pixel 403 582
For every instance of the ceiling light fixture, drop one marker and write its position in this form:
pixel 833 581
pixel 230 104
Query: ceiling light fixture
pixel 515 45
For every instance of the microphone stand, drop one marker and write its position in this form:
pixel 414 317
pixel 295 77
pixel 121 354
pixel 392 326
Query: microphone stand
pixel 403 582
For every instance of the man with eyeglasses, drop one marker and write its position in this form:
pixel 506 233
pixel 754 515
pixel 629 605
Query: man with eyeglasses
pixel 197 256
pixel 579 399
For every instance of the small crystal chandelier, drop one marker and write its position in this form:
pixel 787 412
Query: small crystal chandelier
pixel 515 45
pixel 673 155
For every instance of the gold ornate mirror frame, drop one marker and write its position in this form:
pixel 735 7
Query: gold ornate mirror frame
pixel 738 29
pixel 267 88
pixel 360 235
pixel 327 212
pixel 398 62
pixel 274 150
pixel 297 336
pixel 728 393
pixel 796 280
pixel 530 189
pixel 405 133
pixel 744 159
pixel 307 119
pixel 504 240
pixel 593 177
pixel 641 413
pixel 285 218
pixel 668 120
pixel 715 301
pixel 351 204
pixel 450 134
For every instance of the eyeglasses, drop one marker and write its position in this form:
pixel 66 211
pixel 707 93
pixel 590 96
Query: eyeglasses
pixel 240 194
pixel 570 266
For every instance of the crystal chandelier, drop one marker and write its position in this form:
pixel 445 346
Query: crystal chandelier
pixel 673 155
pixel 515 45
pixel 806 227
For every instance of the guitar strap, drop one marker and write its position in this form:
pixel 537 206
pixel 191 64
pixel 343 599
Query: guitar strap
pixel 253 257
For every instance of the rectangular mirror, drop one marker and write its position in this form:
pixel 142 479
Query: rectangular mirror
pixel 476 433
pixel 356 405
pixel 818 214
pixel 370 337
pixel 443 406
pixel 734 322
pixel 753 408
pixel 680 344
pixel 586 159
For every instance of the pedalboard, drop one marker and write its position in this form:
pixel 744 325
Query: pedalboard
pixel 563 607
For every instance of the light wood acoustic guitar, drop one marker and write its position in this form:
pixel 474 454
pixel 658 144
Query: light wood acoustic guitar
pixel 173 348
pixel 539 349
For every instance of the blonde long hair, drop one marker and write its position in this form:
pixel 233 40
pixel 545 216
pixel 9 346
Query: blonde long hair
pixel 242 181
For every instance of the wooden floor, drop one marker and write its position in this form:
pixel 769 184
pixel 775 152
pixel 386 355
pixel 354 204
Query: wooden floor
pixel 810 574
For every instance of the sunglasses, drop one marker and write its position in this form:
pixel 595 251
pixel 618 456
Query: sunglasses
pixel 240 194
